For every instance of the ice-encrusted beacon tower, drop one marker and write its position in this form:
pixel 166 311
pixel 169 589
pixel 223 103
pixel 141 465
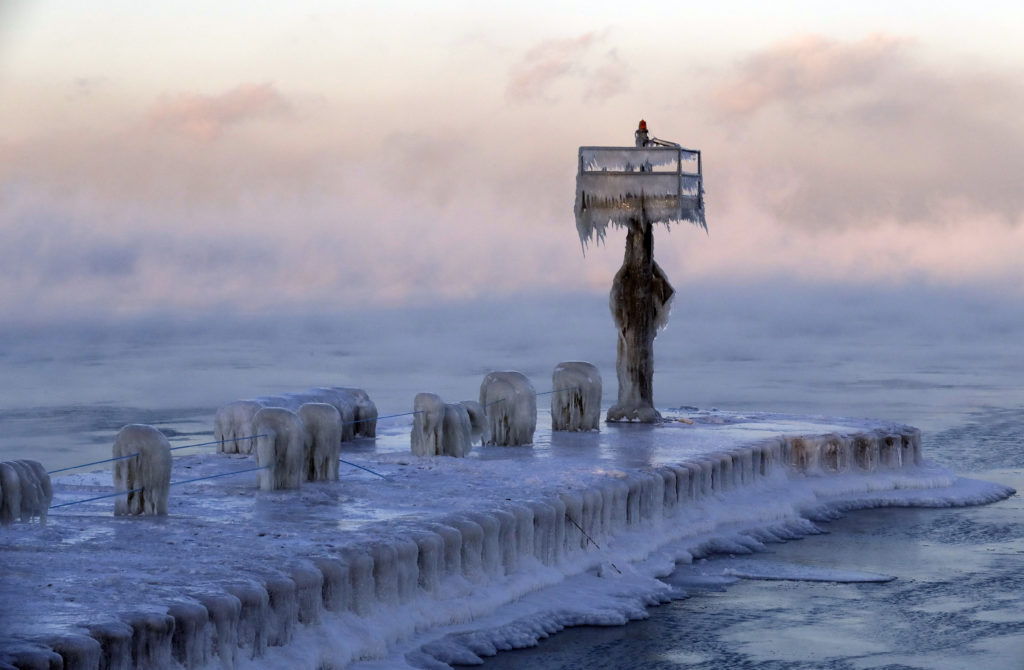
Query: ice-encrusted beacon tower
pixel 634 188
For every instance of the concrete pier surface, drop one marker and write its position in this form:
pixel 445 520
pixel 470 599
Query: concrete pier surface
pixel 442 560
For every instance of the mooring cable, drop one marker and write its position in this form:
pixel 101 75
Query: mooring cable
pixel 108 495
pixel 85 465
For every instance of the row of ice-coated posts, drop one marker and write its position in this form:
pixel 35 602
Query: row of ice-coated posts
pixel 297 437
pixel 506 412
pixel 480 546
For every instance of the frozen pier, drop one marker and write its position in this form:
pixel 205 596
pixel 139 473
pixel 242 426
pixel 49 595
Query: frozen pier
pixel 442 561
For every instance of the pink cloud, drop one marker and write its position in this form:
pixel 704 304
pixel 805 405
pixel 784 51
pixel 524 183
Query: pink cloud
pixel 206 117
pixel 803 67
pixel 554 61
pixel 872 130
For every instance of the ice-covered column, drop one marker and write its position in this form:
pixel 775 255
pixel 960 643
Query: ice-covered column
pixel 439 428
pixel 427 424
pixel 323 441
pixel 576 399
pixel 280 448
pixel 510 401
pixel 143 471
pixel 640 301
pixel 25 491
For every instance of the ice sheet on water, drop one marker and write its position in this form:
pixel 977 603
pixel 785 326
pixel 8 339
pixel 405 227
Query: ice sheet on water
pixel 726 570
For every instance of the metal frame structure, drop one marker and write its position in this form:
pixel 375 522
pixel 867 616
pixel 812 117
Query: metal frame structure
pixel 665 195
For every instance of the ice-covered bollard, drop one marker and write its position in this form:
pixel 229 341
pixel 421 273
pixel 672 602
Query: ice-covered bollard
pixel 477 421
pixel 280 448
pixel 345 403
pixel 322 424
pixel 511 405
pixel 143 471
pixel 25 491
pixel 366 411
pixel 456 435
pixel 232 427
pixel 440 429
pixel 427 424
pixel 576 400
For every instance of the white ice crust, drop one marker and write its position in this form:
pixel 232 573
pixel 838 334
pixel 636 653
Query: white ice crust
pixel 445 560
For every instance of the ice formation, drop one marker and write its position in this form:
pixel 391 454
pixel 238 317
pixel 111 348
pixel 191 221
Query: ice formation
pixel 345 403
pixel 280 448
pixel 233 421
pixel 576 400
pixel 448 561
pixel 618 185
pixel 25 491
pixel 640 302
pixel 456 435
pixel 322 424
pixel 366 410
pixel 511 405
pixel 439 428
pixel 143 471
pixel 427 424
pixel 477 421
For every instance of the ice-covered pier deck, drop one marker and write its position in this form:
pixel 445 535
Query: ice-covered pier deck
pixel 445 559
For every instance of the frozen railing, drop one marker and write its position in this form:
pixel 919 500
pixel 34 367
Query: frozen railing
pixel 616 185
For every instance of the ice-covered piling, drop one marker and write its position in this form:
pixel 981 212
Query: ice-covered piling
pixel 479 430
pixel 511 404
pixel 280 448
pixel 322 423
pixel 439 428
pixel 234 430
pixel 143 471
pixel 457 432
pixel 25 491
pixel 576 397
pixel 640 301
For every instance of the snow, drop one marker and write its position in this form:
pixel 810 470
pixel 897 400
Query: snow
pixel 445 559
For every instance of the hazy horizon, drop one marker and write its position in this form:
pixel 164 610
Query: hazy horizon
pixel 250 158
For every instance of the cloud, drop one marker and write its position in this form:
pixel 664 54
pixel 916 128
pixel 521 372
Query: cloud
pixel 801 68
pixel 861 133
pixel 206 117
pixel 554 62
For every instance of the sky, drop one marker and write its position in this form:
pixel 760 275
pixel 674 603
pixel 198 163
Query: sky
pixel 240 157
